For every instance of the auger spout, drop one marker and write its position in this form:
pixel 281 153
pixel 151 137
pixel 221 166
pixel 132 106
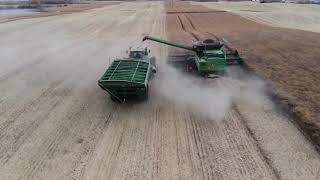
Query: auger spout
pixel 175 44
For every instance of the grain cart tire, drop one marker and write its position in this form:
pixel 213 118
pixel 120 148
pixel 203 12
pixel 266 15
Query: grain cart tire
pixel 114 99
pixel 146 95
pixel 221 73
pixel 153 61
pixel 153 64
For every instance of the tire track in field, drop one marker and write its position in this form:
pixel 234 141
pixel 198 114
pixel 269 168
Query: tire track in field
pixel 47 98
pixel 94 137
pixel 33 114
pixel 28 106
pixel 60 135
pixel 183 27
pixel 202 35
pixel 31 173
pixel 197 141
pixel 261 151
pixel 276 138
pixel 242 147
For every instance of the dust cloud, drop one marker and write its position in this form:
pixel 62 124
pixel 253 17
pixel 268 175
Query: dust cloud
pixel 189 94
pixel 247 87
pixel 211 98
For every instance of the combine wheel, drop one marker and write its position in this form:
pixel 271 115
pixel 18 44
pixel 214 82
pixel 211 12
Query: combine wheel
pixel 191 65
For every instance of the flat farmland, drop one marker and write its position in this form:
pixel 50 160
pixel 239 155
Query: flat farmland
pixel 56 123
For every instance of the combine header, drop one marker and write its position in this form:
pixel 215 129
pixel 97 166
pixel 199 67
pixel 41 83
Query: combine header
pixel 209 56
pixel 128 77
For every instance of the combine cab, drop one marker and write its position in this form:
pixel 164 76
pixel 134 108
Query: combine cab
pixel 209 56
pixel 128 77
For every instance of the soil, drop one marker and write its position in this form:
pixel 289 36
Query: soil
pixel 288 58
pixel 56 122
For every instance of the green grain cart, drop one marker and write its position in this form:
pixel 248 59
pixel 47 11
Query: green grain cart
pixel 209 56
pixel 128 77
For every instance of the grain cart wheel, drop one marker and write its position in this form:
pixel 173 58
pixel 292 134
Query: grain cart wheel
pixel 153 64
pixel 221 73
pixel 153 61
pixel 146 95
pixel 114 99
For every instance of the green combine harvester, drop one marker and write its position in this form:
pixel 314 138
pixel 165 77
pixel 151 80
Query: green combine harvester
pixel 128 77
pixel 209 57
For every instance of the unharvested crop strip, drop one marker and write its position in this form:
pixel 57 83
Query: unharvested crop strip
pixel 195 28
pixel 192 25
pixel 182 26
pixel 190 32
pixel 184 29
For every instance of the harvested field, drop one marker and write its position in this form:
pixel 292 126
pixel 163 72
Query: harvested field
pixel 54 10
pixel 56 123
pixel 288 58
pixel 295 16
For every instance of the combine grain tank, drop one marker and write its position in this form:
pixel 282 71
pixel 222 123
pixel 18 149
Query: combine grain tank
pixel 128 77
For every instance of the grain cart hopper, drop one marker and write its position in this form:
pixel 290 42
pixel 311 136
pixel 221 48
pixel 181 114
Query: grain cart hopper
pixel 209 56
pixel 128 77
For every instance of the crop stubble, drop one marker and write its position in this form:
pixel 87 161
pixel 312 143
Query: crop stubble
pixel 57 124
pixel 288 58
